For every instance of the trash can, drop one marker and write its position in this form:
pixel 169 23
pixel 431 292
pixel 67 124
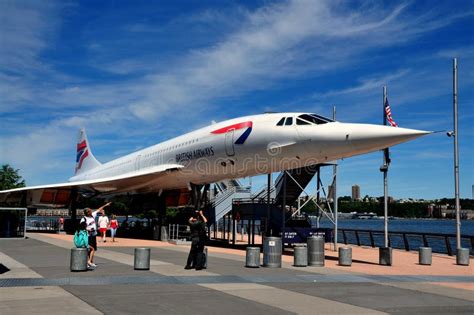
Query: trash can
pixel 316 251
pixel 272 248
pixel 385 256
pixel 142 259
pixel 78 259
pixel 345 256
pixel 462 256
pixel 252 257
pixel 424 256
pixel 300 256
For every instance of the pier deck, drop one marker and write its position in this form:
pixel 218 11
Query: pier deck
pixel 39 281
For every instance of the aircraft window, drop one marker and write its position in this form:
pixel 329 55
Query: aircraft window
pixel 289 121
pixel 315 119
pixel 280 123
pixel 302 122
pixel 323 118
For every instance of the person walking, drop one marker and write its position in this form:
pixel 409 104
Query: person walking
pixel 91 227
pixel 61 223
pixel 103 226
pixel 113 227
pixel 196 257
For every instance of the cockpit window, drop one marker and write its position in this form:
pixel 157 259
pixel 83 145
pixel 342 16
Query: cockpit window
pixel 313 119
pixel 302 122
pixel 280 123
pixel 289 121
pixel 325 119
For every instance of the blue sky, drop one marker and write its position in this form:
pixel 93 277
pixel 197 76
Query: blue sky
pixel 136 73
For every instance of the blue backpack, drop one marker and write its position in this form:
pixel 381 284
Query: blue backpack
pixel 81 239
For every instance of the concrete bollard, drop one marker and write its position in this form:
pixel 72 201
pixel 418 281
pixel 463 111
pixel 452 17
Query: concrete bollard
pixel 345 256
pixel 300 256
pixel 142 259
pixel 164 234
pixel 272 249
pixel 424 257
pixel 385 256
pixel 316 251
pixel 252 257
pixel 462 256
pixel 78 259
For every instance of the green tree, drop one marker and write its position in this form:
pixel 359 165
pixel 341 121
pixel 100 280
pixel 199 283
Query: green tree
pixel 9 178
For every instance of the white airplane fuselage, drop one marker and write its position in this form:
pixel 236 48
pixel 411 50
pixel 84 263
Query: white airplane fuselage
pixel 248 146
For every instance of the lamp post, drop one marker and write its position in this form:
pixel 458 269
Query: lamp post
pixel 385 253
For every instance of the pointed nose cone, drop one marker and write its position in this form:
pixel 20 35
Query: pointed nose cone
pixel 367 138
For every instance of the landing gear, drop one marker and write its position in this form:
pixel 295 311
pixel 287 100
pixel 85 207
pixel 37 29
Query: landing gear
pixel 199 196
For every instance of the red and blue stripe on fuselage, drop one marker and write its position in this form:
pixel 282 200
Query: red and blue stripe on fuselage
pixel 243 137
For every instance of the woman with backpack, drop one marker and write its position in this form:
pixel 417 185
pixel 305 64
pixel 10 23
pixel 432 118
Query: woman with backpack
pixel 81 240
pixel 91 227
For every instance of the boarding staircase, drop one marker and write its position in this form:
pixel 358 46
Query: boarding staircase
pixel 222 201
pixel 294 188
pixel 225 192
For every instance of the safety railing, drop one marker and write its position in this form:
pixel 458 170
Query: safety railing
pixel 440 243
pixel 42 225
pixel 179 232
pixel 262 192
pixel 224 229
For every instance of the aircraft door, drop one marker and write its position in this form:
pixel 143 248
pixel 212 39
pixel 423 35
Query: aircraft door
pixel 229 143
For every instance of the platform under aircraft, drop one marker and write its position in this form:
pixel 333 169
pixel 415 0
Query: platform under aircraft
pixel 236 148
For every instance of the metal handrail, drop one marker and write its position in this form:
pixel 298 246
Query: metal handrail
pixel 263 192
pixel 252 200
pixel 405 235
pixel 223 196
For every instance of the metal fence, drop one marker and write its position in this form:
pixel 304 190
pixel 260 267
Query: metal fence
pixel 440 243
pixel 43 225
pixel 13 222
pixel 179 232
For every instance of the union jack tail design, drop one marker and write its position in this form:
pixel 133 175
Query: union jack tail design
pixel 82 153
pixel 85 160
pixel 388 114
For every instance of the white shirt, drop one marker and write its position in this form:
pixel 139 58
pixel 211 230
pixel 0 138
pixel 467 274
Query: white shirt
pixel 90 221
pixel 103 222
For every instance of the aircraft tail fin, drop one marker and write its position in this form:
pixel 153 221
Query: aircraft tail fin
pixel 85 160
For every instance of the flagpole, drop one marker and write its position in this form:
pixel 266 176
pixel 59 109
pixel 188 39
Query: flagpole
pixel 334 191
pixel 456 153
pixel 384 169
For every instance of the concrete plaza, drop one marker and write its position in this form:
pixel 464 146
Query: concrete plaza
pixel 35 278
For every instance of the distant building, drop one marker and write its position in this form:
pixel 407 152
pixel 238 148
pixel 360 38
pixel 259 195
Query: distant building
pixel 355 192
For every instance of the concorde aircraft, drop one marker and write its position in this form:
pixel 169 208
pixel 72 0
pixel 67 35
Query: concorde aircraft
pixel 235 148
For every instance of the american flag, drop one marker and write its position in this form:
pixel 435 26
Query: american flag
pixel 388 114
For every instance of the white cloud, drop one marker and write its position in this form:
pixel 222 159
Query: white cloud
pixel 26 28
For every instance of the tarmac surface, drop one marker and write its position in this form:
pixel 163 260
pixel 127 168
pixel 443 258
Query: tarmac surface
pixel 35 278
